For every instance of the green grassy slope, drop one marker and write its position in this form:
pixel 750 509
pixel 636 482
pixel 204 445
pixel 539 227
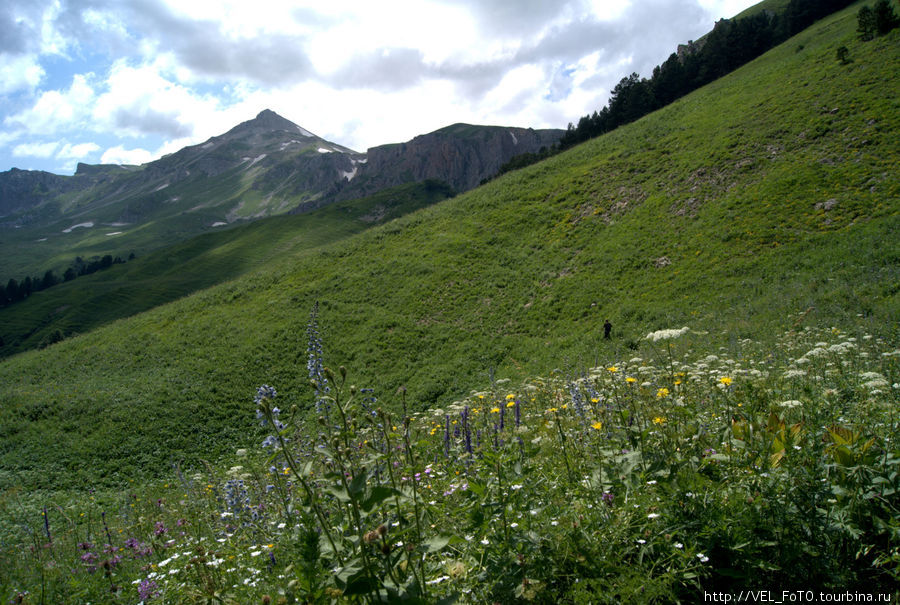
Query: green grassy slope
pixel 763 200
pixel 163 276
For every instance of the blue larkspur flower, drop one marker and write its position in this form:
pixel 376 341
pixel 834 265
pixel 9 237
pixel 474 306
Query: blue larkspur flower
pixel 264 392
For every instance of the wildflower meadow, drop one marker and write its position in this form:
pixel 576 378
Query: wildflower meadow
pixel 657 478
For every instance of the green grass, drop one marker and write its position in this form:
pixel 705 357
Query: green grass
pixel 709 213
pixel 171 273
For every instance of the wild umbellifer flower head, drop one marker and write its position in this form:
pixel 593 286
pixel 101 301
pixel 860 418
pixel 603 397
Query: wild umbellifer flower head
pixel 667 334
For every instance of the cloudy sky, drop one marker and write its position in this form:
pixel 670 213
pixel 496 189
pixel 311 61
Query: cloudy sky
pixel 126 81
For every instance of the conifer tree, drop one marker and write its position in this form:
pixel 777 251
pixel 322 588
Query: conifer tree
pixel 865 23
pixel 885 17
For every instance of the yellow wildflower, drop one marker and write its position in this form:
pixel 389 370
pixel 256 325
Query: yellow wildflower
pixel 630 379
pixel 511 404
pixel 495 410
pixel 659 420
pixel 597 425
pixel 612 369
pixel 663 392
pixel 725 380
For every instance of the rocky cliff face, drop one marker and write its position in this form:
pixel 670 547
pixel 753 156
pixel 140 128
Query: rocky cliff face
pixel 461 155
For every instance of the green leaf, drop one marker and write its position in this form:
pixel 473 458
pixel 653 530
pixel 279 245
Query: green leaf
pixel 358 484
pixel 338 492
pixel 476 487
pixel 377 495
pixel 437 543
pixel 352 579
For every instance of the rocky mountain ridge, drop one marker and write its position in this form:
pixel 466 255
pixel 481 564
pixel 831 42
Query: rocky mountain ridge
pixel 282 161
pixel 462 155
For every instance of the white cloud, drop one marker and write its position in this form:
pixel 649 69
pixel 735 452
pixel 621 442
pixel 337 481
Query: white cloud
pixel 77 152
pixel 56 111
pixel 509 92
pixel 22 72
pixel 120 155
pixel 35 150
pixel 53 41
pixel 143 100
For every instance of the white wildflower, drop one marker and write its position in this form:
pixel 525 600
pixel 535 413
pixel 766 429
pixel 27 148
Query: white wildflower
pixel 667 334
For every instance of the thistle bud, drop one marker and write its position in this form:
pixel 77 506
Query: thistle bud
pixel 343 372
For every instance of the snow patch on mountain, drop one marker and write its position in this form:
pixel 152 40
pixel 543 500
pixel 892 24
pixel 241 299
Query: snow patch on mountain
pixel 87 225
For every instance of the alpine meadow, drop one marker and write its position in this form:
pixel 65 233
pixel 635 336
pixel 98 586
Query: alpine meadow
pixel 409 397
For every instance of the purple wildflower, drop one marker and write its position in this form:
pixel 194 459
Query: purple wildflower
pixel 147 590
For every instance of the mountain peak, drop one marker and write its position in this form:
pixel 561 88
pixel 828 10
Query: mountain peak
pixel 267 120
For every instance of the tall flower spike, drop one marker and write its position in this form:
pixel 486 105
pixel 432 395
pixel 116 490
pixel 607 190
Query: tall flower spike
pixel 314 363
